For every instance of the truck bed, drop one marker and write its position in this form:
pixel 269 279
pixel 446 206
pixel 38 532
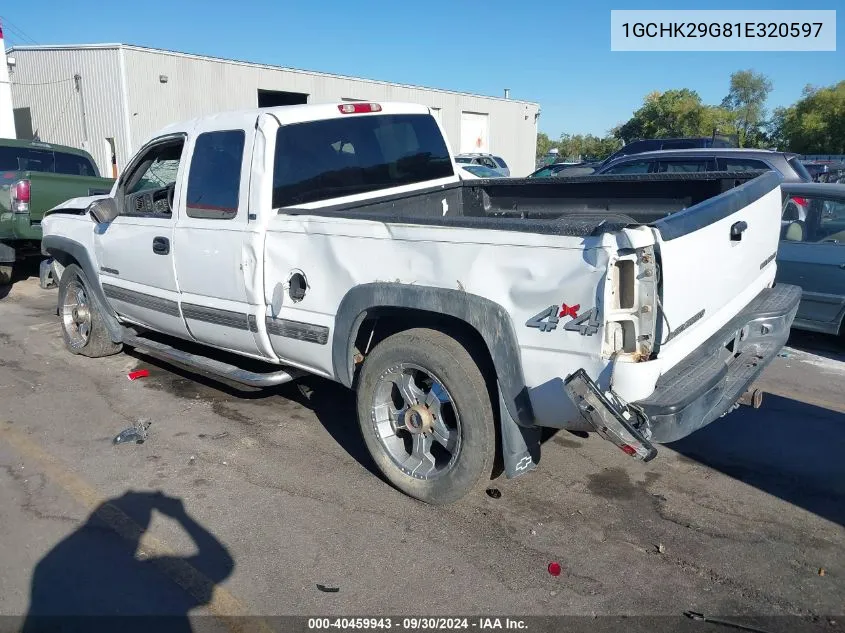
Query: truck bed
pixel 578 206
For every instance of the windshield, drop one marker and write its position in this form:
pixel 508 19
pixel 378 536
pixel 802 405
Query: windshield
pixel 463 160
pixel 800 169
pixel 481 171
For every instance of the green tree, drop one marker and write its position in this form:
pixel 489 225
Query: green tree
pixel 587 146
pixel 544 144
pixel 670 113
pixel 746 101
pixel 815 124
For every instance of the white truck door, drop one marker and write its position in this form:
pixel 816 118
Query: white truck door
pixel 218 247
pixel 135 250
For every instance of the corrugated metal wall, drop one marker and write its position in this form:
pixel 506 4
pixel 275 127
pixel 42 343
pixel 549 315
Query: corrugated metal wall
pixel 42 80
pixel 197 86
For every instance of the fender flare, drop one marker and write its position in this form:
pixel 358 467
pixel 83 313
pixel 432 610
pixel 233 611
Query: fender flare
pixel 54 246
pixel 488 318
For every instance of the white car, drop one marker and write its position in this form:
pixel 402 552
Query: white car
pixel 338 240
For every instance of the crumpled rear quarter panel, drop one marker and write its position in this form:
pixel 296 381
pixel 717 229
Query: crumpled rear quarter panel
pixel 523 272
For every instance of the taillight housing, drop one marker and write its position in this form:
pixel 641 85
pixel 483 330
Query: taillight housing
pixel 630 305
pixel 358 108
pixel 20 194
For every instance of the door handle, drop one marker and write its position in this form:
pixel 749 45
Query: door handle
pixel 842 266
pixel 161 245
pixel 737 229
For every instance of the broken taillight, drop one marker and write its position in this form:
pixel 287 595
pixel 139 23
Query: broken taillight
pixel 20 194
pixel 609 418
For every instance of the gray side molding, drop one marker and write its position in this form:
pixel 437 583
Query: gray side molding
pixel 54 246
pixel 487 317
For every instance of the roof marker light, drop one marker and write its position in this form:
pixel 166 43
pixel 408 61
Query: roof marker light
pixel 357 108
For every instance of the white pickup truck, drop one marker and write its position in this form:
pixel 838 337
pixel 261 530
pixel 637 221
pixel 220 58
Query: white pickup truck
pixel 337 240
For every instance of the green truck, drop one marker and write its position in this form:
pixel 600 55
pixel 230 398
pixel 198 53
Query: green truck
pixel 35 177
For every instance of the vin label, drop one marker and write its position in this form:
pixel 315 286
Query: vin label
pixel 723 30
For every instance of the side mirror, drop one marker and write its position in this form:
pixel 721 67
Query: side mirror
pixel 103 211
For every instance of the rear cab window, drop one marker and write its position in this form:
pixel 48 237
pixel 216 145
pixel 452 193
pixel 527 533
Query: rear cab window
pixel 74 165
pixel 321 160
pixel 45 161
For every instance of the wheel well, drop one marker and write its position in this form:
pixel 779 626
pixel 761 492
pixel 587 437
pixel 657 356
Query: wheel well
pixel 65 259
pixel 379 323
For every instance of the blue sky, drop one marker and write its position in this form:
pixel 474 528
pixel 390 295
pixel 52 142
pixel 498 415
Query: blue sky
pixel 554 52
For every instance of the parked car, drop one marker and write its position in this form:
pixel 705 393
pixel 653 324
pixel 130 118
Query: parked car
pixel 658 144
pixel 491 161
pixel 835 174
pixel 564 169
pixel 470 171
pixel 715 159
pixel 337 240
pixel 815 169
pixel 812 253
pixel 38 176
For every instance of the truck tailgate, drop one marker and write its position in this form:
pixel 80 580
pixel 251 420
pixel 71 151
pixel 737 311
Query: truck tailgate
pixel 715 257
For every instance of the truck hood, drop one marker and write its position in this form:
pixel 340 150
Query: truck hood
pixel 76 203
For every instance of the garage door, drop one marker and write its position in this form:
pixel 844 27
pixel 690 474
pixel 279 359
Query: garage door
pixel 475 132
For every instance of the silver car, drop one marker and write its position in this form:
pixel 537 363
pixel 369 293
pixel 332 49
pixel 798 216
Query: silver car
pixel 812 253
pixel 710 159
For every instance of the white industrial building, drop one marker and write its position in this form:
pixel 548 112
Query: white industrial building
pixel 110 98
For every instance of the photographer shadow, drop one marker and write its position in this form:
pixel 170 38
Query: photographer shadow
pixel 105 571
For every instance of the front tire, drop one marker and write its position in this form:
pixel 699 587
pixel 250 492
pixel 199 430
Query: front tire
pixel 83 325
pixel 426 417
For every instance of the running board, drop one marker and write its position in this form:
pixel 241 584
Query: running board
pixel 208 366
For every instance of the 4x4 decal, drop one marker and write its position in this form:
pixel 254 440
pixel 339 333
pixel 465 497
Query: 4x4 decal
pixel 586 324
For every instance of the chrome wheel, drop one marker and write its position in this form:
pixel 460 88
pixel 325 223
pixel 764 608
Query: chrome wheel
pixel 416 422
pixel 76 314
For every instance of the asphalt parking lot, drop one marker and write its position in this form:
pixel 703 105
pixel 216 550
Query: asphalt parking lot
pixel 267 495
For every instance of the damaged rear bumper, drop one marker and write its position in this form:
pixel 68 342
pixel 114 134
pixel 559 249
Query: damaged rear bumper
pixel 707 383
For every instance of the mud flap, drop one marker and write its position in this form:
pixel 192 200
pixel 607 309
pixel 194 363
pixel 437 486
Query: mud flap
pixel 520 444
pixel 608 416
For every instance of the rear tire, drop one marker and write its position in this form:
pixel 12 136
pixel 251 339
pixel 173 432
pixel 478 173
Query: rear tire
pixel 83 325
pixel 6 271
pixel 426 416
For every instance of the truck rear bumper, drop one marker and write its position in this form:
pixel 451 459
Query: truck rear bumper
pixel 708 382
